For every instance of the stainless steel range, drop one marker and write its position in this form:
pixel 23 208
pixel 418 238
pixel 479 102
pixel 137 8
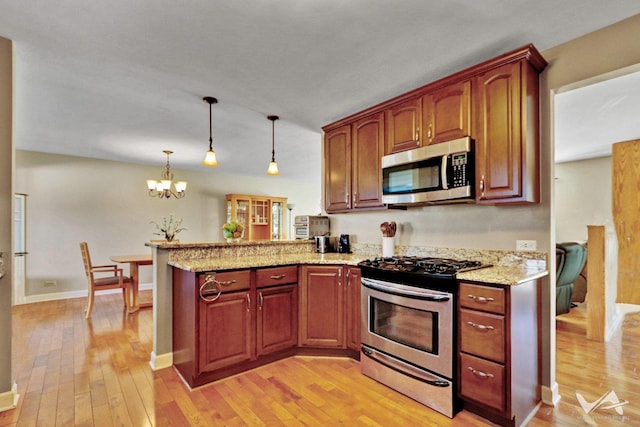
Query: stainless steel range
pixel 409 326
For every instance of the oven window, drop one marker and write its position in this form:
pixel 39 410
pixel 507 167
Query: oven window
pixel 409 326
pixel 412 177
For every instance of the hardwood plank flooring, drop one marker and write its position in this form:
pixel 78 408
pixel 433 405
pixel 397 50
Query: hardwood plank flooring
pixel 73 371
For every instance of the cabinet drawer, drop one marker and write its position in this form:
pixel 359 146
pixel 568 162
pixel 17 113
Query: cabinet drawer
pixel 483 298
pixel 276 276
pixel 482 381
pixel 482 334
pixel 227 281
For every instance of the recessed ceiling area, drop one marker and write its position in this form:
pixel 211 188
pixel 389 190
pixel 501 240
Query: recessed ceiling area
pixel 125 80
pixel 590 119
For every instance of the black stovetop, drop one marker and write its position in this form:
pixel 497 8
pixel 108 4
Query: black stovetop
pixel 418 267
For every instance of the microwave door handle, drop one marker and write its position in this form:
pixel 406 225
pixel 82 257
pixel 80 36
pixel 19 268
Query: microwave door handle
pixel 443 172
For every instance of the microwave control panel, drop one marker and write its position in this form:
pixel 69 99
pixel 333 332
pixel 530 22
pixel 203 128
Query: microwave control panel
pixel 461 167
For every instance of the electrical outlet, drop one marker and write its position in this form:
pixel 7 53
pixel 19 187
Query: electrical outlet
pixel 50 284
pixel 526 245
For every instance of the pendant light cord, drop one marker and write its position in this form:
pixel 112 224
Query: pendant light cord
pixel 210 137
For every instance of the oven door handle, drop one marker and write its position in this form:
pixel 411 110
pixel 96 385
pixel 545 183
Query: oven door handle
pixel 423 294
pixel 404 368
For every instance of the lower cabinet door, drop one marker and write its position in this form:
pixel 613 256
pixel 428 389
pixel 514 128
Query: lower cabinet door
pixel 321 318
pixel 277 311
pixel 225 336
pixel 483 381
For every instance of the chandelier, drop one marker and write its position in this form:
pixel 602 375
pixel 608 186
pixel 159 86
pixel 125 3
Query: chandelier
pixel 163 187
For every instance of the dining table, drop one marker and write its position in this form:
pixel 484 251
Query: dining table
pixel 134 261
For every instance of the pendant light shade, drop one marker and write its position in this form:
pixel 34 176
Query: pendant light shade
pixel 210 157
pixel 273 166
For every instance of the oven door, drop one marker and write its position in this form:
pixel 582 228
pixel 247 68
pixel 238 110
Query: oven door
pixel 409 323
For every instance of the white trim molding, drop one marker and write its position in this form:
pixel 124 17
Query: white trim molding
pixel 160 361
pixel 550 395
pixel 9 399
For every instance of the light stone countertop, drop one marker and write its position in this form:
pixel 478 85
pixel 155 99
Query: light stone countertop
pixel 232 263
pixel 509 269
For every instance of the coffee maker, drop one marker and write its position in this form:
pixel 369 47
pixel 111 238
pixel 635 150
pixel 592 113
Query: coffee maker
pixel 344 247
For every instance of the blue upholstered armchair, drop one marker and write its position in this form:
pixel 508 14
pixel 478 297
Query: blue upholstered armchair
pixel 570 260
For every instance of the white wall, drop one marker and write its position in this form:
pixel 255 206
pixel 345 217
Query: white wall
pixel 452 226
pixel 582 196
pixel 74 199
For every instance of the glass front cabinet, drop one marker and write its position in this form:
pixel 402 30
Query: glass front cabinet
pixel 262 216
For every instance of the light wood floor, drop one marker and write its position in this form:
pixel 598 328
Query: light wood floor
pixel 71 371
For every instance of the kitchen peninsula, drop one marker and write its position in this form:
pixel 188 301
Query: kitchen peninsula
pixel 257 285
pixel 509 268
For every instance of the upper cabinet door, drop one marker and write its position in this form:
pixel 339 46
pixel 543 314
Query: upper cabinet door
pixel 447 113
pixel 497 139
pixel 367 151
pixel 403 126
pixel 506 134
pixel 337 163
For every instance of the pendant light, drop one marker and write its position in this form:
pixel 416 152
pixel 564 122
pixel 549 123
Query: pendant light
pixel 273 166
pixel 210 158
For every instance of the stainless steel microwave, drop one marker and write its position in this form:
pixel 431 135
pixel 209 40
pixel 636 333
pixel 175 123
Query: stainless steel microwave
pixel 435 174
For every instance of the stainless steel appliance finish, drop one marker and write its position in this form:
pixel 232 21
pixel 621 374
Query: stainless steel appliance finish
pixel 408 327
pixel 435 174
pixel 308 226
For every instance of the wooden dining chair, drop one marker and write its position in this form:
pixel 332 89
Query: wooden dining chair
pixel 114 279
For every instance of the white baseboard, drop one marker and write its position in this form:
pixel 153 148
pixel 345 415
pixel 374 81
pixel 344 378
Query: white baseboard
pixel 9 399
pixel 54 296
pixel 160 361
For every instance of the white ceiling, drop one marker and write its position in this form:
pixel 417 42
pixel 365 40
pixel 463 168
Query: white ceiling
pixel 590 119
pixel 123 80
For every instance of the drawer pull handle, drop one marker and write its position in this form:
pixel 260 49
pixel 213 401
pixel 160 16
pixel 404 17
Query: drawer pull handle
pixel 278 276
pixel 482 300
pixel 480 327
pixel 480 374
pixel 226 282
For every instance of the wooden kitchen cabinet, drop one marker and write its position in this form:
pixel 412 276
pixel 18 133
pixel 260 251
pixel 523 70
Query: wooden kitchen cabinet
pixel 447 113
pixel 277 319
pixel 277 309
pixel 498 350
pixel 353 304
pixel 404 121
pixel 495 102
pixel 226 332
pixel 506 122
pixel 353 172
pixel 242 320
pixel 321 319
pixel 330 307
